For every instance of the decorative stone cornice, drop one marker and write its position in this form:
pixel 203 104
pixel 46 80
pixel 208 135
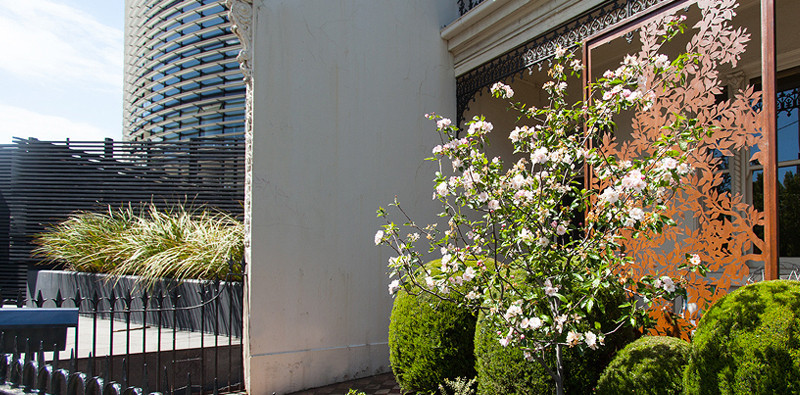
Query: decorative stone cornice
pixel 241 16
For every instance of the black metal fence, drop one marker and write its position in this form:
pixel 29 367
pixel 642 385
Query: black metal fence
pixel 42 182
pixel 11 276
pixel 155 350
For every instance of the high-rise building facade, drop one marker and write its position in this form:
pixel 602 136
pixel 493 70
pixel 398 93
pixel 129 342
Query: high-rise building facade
pixel 182 79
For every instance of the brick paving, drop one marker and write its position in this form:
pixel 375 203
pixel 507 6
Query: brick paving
pixel 382 384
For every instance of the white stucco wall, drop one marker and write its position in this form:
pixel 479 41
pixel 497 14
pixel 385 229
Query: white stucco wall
pixel 340 88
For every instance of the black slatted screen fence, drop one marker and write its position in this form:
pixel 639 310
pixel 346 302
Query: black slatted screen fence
pixel 43 182
pixel 10 275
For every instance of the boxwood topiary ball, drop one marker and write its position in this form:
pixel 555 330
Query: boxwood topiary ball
pixel 504 370
pixel 650 365
pixel 748 343
pixel 430 340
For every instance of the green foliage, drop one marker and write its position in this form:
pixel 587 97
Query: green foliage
pixel 748 343
pixel 650 365
pixel 504 370
pixel 80 241
pixel 152 244
pixel 430 340
pixel 355 392
pixel 459 386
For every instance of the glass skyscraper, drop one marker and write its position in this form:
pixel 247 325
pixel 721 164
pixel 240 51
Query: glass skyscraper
pixel 182 79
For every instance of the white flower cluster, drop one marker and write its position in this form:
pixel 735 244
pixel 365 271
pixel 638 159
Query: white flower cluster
pixel 502 90
pixel 591 339
pixel 479 128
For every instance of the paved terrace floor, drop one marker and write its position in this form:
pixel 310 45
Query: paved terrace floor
pixel 382 384
pixel 141 339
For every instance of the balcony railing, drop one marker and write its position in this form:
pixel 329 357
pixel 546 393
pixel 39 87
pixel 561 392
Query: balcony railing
pixel 465 5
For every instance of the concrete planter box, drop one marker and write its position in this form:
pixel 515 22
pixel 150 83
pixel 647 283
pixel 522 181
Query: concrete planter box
pixel 194 312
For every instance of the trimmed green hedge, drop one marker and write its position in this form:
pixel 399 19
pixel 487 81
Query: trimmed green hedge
pixel 430 340
pixel 650 365
pixel 503 370
pixel 748 343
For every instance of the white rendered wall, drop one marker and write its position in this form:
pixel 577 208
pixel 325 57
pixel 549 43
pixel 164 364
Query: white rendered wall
pixel 340 89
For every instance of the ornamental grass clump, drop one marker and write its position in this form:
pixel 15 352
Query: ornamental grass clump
pixel 87 241
pixel 534 214
pixel 152 244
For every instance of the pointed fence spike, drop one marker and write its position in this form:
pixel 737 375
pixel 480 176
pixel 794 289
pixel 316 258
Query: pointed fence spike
pixel 96 300
pixel 15 349
pixel 40 353
pixel 188 383
pixel 125 372
pixel 145 380
pixel 56 357
pixel 27 349
pixel 20 299
pixel 59 300
pixel 112 304
pixel 39 301
pixel 166 379
pixel 106 377
pixel 77 300
pixel 73 361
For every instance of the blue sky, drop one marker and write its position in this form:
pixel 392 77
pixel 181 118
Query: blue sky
pixel 61 69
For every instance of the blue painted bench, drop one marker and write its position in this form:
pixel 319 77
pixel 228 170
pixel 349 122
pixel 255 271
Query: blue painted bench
pixel 47 326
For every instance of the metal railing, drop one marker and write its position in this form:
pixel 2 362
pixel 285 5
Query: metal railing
pixel 158 346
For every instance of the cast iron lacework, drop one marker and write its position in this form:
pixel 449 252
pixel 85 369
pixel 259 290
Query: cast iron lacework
pixel 540 49
pixel 788 100
pixel 465 5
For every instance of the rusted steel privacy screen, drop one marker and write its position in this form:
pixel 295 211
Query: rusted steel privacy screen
pixel 43 182
pixel 713 221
